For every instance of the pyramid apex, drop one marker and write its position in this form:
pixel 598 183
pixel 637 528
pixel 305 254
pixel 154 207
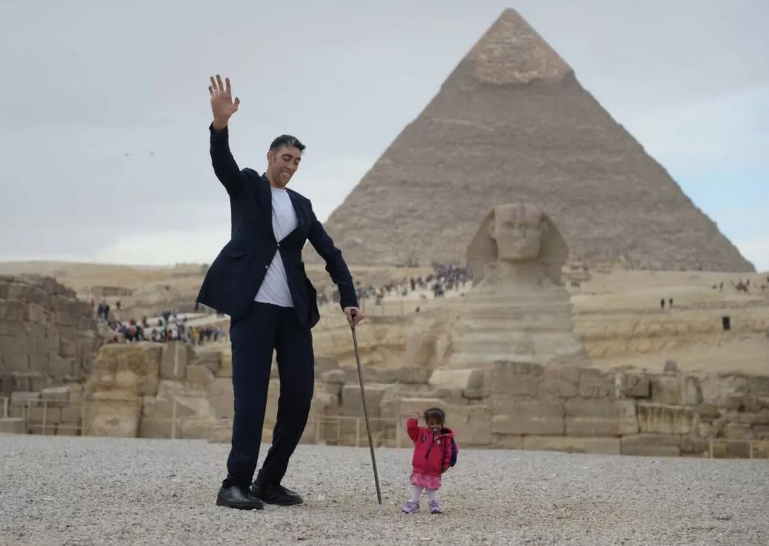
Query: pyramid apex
pixel 512 52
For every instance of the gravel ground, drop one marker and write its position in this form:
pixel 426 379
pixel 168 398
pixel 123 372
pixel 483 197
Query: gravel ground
pixel 58 490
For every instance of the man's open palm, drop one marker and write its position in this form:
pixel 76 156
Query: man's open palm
pixel 222 104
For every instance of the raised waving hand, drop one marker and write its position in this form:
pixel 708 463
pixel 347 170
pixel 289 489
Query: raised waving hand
pixel 222 104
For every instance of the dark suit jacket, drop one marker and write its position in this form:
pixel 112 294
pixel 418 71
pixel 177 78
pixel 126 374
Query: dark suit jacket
pixel 236 274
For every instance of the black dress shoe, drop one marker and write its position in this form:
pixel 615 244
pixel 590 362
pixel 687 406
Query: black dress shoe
pixel 237 497
pixel 276 494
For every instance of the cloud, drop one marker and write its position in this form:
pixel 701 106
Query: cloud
pixel 198 244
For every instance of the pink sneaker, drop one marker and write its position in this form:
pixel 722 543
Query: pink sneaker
pixel 435 508
pixel 410 507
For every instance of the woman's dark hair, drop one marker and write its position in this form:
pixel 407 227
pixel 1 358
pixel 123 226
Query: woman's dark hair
pixel 435 413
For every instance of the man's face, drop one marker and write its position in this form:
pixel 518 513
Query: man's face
pixel 282 164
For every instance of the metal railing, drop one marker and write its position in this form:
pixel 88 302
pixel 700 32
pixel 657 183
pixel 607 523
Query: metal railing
pixel 41 417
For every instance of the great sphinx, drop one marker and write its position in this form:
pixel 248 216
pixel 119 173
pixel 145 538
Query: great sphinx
pixel 518 309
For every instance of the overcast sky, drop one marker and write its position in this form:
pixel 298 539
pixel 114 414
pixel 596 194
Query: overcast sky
pixel 104 140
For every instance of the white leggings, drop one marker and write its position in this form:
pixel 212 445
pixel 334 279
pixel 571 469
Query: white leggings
pixel 417 492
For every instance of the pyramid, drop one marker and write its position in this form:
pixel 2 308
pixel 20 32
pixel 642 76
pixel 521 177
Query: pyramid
pixel 511 123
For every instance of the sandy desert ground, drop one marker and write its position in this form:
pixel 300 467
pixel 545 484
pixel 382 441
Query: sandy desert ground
pixel 67 491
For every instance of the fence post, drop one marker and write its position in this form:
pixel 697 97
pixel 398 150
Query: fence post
pixel 45 414
pixel 173 395
pixel 357 432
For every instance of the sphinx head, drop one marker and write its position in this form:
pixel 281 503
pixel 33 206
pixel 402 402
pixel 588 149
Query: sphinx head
pixel 518 230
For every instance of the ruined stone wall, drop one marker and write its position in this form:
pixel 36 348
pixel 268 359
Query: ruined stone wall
pixel 133 389
pixel 47 335
pixel 527 406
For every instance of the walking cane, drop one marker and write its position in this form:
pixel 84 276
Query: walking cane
pixel 365 412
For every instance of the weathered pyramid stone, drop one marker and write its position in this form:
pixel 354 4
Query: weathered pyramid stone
pixel 512 123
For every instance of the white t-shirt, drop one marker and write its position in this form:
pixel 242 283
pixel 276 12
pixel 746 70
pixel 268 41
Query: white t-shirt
pixel 274 288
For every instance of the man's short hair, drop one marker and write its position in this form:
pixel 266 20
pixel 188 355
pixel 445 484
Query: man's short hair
pixel 288 141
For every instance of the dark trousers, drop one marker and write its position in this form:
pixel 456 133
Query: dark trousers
pixel 254 337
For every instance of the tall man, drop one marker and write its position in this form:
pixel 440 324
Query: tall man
pixel 259 279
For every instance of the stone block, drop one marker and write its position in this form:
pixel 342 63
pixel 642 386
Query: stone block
pixel 130 369
pixel 63 429
pixel 665 419
pixel 761 418
pixel 756 404
pixel 524 416
pixel 738 431
pixel 11 425
pixel 407 406
pixel 636 386
pixel 596 383
pixel 38 382
pixel 70 414
pixel 761 450
pixel 199 375
pixel 694 446
pixel 731 449
pixel 221 397
pixel 159 408
pixel 665 389
pixel 707 412
pixel 470 423
pixel 210 360
pixel 55 396
pixel 174 360
pixel 119 419
pixel 761 432
pixel 413 375
pixel 24 398
pixel 463 380
pixel 333 376
pixel 325 363
pixel 717 388
pixel 600 417
pixel 158 427
pixel 194 429
pixel 507 441
pixel 13 311
pixel 559 382
pixel 759 385
pixel 225 365
pixel 41 414
pixel 690 391
pixel 603 446
pixel 372 374
pixel 352 402
pixel 655 445
pixel 220 433
pixel 516 378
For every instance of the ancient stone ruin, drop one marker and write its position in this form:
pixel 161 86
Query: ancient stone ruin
pixel 48 339
pixel 47 336
pixel 512 122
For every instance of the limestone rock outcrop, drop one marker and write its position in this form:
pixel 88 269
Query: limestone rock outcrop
pixel 47 335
